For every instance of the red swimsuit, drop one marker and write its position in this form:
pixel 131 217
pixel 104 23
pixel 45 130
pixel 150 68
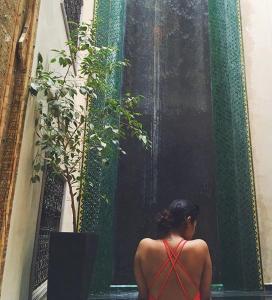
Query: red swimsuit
pixel 173 258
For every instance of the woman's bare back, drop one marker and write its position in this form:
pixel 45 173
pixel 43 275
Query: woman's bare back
pixel 171 272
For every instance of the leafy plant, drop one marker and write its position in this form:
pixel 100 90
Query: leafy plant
pixel 64 127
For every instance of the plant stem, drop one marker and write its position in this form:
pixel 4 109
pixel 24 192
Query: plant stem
pixel 67 72
pixel 72 204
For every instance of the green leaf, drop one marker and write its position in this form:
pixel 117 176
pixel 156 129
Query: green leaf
pixel 37 167
pixel 115 130
pixel 83 90
pixel 40 58
pixel 105 161
pixel 34 89
pixel 37 122
pixel 143 138
pixel 115 142
pixel 104 145
pixel 35 178
pixel 62 61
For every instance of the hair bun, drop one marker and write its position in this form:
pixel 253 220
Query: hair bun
pixel 175 216
pixel 164 221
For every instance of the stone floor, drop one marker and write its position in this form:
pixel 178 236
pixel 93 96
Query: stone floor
pixel 216 295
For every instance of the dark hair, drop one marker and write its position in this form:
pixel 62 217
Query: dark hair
pixel 175 216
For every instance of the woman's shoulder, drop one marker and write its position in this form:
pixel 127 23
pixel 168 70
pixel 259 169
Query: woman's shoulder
pixel 148 243
pixel 198 245
pixel 198 242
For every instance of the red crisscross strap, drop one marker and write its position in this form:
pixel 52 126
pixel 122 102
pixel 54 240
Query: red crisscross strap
pixel 184 269
pixel 162 268
pixel 172 259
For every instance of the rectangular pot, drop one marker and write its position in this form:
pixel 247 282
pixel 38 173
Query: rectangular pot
pixel 71 262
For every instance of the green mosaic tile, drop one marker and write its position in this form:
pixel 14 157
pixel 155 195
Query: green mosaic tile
pixel 238 227
pixel 97 214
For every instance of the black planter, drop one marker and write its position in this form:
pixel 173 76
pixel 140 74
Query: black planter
pixel 71 261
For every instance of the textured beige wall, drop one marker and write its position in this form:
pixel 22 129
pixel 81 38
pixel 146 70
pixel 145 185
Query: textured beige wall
pixel 88 10
pixel 51 35
pixel 257 35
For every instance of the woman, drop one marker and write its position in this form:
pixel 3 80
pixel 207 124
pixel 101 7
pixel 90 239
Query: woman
pixel 174 267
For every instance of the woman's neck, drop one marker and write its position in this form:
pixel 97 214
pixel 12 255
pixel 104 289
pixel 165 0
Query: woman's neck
pixel 175 235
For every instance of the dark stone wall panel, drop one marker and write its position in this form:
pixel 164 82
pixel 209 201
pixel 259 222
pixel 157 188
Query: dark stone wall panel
pixel 167 44
pixel 73 11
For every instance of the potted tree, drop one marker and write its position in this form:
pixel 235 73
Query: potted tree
pixel 65 128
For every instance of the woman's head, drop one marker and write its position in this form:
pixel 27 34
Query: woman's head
pixel 180 216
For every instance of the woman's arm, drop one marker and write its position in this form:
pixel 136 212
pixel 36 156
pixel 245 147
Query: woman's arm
pixel 142 288
pixel 206 278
